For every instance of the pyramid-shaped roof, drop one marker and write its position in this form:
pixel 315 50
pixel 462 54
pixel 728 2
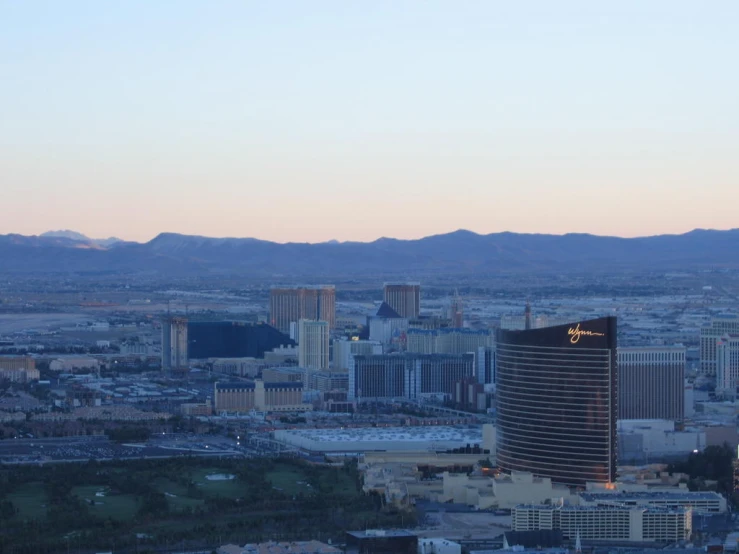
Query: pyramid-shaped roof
pixel 386 311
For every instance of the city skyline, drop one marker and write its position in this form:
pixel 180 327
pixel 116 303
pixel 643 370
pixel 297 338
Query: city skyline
pixel 349 122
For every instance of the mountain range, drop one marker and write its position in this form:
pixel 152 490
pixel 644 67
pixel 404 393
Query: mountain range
pixel 457 252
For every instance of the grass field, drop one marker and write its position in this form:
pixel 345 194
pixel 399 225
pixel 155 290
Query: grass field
pixel 30 500
pixel 120 507
pixel 289 479
pixel 282 498
pixel 228 488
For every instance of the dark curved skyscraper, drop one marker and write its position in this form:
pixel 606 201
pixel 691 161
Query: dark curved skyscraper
pixel 557 403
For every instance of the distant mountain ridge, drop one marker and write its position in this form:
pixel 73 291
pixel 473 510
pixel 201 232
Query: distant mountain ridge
pixel 457 252
pixel 79 237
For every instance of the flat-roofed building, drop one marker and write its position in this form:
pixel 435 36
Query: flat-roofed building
pixel 606 523
pixel 291 304
pixel 698 501
pixel 448 341
pixel 727 366
pixel 17 362
pixel 345 348
pixel 404 298
pixel 283 375
pixel 408 375
pixel 326 381
pixel 651 382
pixel 313 345
pixel 258 395
pixel 710 337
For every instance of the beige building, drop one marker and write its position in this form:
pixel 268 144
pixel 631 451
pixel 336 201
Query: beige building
pixel 260 396
pixel 313 345
pixel 710 337
pixel 291 304
pixel 502 492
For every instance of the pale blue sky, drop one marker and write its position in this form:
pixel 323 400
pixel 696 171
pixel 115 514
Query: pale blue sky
pixel 313 120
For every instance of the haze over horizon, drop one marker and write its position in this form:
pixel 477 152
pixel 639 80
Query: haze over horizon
pixel 64 232
pixel 296 122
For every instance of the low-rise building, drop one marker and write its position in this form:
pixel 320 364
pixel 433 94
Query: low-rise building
pixel 196 409
pixel 72 363
pixel 291 547
pixel 607 523
pixel 698 501
pixel 257 395
pixel 19 375
pixel 438 546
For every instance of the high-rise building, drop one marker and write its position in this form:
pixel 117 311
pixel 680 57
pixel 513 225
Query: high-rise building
pixel 410 376
pixel 174 343
pixel 711 335
pixel 557 401
pixel 485 365
pixel 291 304
pixel 456 311
pixel 651 382
pixel 313 348
pixel 727 366
pixel 404 298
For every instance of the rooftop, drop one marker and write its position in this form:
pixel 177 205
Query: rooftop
pixel 407 434
pixel 650 495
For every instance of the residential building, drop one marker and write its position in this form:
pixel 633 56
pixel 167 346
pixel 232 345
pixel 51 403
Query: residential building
pixel 710 337
pixel 556 401
pixel 651 382
pixel 313 347
pixel 404 298
pixel 291 304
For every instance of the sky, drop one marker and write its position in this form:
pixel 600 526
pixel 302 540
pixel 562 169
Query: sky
pixel 308 121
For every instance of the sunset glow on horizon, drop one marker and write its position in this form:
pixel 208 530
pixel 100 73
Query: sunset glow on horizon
pixel 303 122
